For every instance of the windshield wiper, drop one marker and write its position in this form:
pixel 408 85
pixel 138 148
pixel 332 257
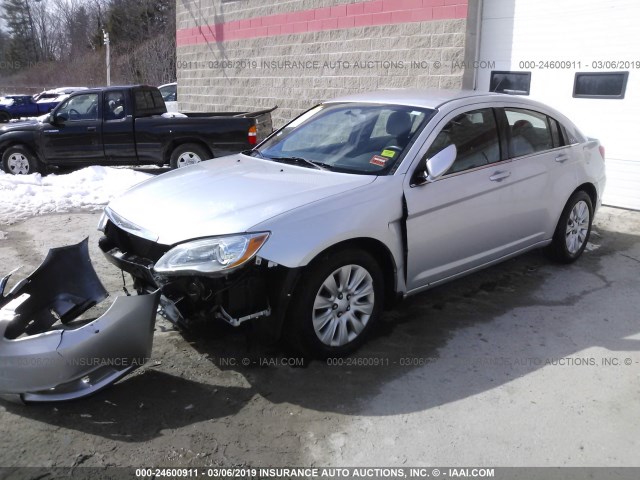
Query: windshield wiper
pixel 298 161
pixel 250 153
pixel 290 160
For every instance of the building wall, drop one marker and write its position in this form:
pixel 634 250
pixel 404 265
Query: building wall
pixel 553 41
pixel 247 54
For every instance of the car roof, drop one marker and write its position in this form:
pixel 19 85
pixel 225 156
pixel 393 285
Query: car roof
pixel 61 90
pixel 112 87
pixel 427 98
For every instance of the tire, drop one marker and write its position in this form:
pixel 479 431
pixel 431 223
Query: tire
pixel 19 160
pixel 4 117
pixel 326 319
pixel 573 229
pixel 188 154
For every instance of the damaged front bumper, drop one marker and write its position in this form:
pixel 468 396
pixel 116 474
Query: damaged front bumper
pixel 48 353
pixel 259 291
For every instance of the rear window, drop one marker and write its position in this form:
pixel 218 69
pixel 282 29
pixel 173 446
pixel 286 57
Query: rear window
pixel 529 132
pixel 148 102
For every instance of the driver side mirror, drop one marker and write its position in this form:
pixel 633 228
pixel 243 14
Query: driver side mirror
pixel 440 163
pixel 58 119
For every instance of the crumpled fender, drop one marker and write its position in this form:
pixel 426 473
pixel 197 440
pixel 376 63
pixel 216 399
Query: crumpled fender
pixel 46 354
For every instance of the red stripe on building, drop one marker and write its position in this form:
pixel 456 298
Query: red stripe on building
pixel 363 14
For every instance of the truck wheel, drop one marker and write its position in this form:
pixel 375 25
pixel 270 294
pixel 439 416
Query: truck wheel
pixel 4 117
pixel 20 160
pixel 573 230
pixel 188 154
pixel 337 303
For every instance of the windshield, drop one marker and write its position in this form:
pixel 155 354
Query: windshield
pixel 46 97
pixel 358 138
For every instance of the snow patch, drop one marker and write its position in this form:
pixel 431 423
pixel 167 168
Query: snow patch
pixel 174 115
pixel 25 196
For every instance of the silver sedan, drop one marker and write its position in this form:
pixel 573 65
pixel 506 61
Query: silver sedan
pixel 359 202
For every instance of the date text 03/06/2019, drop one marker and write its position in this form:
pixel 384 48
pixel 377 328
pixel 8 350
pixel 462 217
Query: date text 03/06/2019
pixel 314 472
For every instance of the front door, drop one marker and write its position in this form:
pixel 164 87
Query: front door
pixel 461 220
pixel 76 136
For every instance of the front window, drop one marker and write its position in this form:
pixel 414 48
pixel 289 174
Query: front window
pixel 80 107
pixel 475 135
pixel 349 137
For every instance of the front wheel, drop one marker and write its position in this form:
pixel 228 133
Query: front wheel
pixel 20 160
pixel 4 117
pixel 338 301
pixel 573 230
pixel 188 154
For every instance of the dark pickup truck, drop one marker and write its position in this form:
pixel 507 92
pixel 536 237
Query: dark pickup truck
pixel 125 126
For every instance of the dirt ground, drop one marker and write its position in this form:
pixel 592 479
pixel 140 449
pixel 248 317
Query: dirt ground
pixel 525 364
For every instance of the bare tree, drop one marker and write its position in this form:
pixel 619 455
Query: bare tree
pixel 54 42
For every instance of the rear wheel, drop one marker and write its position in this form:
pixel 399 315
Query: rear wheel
pixel 4 117
pixel 573 229
pixel 188 154
pixel 336 305
pixel 20 160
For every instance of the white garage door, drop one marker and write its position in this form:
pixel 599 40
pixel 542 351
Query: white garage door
pixel 554 40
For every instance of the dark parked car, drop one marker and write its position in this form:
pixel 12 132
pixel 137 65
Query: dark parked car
pixel 125 126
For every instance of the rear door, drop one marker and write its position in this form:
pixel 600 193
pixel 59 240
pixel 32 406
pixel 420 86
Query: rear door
pixel 461 220
pixel 76 137
pixel 541 173
pixel 117 129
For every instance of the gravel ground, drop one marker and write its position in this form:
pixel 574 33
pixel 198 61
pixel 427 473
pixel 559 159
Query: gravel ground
pixel 523 364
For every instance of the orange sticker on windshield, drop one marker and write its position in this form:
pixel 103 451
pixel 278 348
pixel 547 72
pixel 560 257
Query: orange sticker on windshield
pixel 378 160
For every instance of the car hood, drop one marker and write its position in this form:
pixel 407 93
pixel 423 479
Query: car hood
pixel 24 125
pixel 223 196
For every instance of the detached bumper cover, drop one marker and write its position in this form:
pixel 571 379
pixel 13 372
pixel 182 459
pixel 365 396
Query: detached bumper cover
pixel 46 354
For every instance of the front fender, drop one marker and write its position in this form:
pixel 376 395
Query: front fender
pixel 373 211
pixel 26 138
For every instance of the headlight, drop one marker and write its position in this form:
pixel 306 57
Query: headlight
pixel 211 255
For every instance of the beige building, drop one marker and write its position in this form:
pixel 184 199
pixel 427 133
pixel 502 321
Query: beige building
pixel 248 54
pixel 580 56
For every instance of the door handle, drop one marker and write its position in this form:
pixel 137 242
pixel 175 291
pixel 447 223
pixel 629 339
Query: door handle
pixel 562 158
pixel 499 176
pixel 91 129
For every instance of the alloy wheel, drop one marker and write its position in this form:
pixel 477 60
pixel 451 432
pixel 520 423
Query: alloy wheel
pixel 188 158
pixel 577 227
pixel 343 305
pixel 18 164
